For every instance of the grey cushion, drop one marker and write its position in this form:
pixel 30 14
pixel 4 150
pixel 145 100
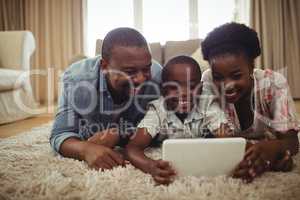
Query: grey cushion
pixel 175 48
pixel 156 52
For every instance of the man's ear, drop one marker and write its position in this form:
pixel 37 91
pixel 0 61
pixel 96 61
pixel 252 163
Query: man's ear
pixel 104 64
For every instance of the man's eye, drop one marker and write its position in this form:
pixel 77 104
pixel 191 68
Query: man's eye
pixel 146 70
pixel 130 73
pixel 217 78
pixel 236 76
pixel 171 87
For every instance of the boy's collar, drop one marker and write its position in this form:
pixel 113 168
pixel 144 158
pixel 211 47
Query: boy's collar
pixel 194 115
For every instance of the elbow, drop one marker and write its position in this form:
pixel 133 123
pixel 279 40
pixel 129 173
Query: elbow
pixel 297 145
pixel 295 142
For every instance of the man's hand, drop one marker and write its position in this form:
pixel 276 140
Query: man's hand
pixel 101 157
pixel 162 172
pixel 108 138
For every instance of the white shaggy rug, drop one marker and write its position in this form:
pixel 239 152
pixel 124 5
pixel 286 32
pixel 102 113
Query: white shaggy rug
pixel 30 170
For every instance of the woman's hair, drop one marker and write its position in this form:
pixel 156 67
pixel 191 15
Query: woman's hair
pixel 231 38
pixel 182 59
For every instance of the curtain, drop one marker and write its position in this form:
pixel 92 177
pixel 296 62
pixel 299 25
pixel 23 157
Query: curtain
pixel 278 25
pixel 59 30
pixel 58 26
pixel 11 15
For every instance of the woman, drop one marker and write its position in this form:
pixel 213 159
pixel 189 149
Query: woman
pixel 257 102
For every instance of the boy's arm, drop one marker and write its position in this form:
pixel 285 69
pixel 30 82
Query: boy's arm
pixel 161 171
pixel 135 150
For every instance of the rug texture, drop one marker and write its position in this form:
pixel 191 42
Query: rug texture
pixel 30 170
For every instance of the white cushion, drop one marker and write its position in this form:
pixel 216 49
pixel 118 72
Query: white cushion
pixel 16 48
pixel 8 79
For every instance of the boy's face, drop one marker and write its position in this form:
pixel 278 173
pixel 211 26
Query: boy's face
pixel 231 74
pixel 182 88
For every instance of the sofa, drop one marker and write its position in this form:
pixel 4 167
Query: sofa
pixel 16 96
pixel 162 53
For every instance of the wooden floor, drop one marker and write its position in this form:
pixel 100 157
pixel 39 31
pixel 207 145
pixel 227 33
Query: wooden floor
pixel 18 127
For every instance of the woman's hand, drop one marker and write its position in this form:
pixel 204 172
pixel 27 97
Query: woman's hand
pixel 284 164
pixel 259 158
pixel 162 172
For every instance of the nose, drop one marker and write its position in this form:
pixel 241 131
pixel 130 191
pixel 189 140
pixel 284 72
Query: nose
pixel 229 85
pixel 185 92
pixel 140 78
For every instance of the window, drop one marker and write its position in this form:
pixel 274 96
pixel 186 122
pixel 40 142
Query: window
pixel 213 13
pixel 104 16
pixel 158 20
pixel 165 20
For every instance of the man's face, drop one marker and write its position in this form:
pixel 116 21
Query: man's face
pixel 127 69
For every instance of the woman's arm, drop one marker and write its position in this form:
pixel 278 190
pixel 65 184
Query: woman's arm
pixel 288 142
pixel 269 155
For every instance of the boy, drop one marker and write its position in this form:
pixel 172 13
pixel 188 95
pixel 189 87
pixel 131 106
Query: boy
pixel 179 113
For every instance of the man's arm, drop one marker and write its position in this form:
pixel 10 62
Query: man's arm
pixel 96 156
pixel 66 140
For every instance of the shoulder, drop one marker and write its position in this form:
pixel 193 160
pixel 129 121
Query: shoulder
pixel 86 69
pixel 207 76
pixel 157 105
pixel 269 78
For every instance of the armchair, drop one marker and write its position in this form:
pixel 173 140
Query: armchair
pixel 16 97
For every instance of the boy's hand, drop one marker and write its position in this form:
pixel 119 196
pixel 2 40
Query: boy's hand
pixel 259 158
pixel 101 157
pixel 224 131
pixel 108 138
pixel 162 172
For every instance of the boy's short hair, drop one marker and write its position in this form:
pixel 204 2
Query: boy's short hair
pixel 231 38
pixel 182 59
pixel 123 36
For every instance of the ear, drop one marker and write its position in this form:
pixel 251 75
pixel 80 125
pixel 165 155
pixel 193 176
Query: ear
pixel 104 64
pixel 162 89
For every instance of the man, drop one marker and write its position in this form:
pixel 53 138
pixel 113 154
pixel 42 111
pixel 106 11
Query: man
pixel 103 100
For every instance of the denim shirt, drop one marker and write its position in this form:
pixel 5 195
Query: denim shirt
pixel 85 105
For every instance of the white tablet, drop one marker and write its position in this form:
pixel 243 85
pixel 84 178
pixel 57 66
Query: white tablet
pixel 204 157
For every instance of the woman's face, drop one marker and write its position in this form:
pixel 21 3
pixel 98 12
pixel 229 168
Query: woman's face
pixel 232 75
